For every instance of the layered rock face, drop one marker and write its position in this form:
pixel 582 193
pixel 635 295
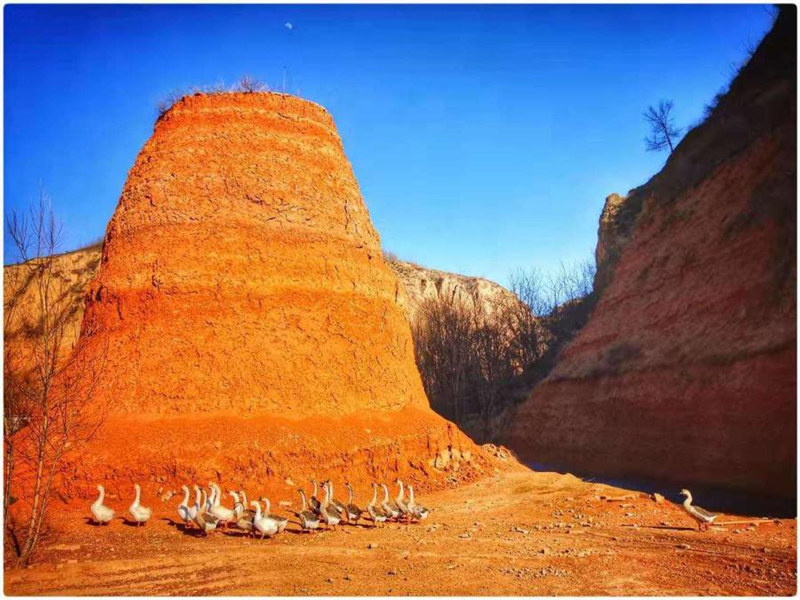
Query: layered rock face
pixel 686 370
pixel 422 285
pixel 75 271
pixel 244 316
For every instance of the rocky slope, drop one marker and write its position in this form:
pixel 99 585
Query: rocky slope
pixel 422 284
pixel 243 323
pixel 686 370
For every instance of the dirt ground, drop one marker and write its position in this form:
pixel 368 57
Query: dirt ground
pixel 514 533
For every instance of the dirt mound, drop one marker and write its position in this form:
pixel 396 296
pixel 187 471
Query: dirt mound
pixel 245 320
pixel 686 370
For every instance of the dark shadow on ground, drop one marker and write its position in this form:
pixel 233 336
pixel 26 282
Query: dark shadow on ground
pixel 713 498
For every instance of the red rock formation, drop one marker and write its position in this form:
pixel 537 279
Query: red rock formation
pixel 248 324
pixel 686 370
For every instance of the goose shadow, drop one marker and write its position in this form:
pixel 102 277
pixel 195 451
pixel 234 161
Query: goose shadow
pixel 235 533
pixel 130 523
pixel 91 522
pixel 182 527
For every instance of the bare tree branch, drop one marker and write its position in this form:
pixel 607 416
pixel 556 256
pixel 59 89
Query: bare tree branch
pixel 662 129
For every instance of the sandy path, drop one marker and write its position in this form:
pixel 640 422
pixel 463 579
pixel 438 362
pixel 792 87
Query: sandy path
pixel 514 533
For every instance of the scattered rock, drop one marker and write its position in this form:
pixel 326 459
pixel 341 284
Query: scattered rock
pixel 372 545
pixel 465 536
pixel 658 498
pixel 519 530
pixel 683 546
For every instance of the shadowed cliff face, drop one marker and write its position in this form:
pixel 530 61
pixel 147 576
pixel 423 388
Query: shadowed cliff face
pixel 686 370
pixel 245 320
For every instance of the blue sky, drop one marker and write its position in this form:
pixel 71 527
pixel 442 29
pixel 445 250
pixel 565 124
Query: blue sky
pixel 484 138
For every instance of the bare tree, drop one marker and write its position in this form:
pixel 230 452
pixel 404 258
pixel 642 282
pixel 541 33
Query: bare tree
pixel 662 128
pixel 475 366
pixel 50 409
pixel 15 412
pixel 250 84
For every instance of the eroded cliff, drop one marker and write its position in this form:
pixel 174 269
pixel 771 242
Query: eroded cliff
pixel 246 325
pixel 686 370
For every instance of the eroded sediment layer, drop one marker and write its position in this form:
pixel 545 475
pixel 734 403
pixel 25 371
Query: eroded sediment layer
pixel 243 306
pixel 687 368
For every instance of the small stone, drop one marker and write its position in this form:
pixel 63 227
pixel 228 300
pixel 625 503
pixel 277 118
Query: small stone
pixel 658 498
pixel 683 546
pixel 391 572
pixel 464 536
pixel 347 578
pixel 520 530
pixel 372 545
pixel 329 580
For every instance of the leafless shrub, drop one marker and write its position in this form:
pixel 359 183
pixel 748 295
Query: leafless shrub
pixel 46 409
pixel 168 101
pixel 249 85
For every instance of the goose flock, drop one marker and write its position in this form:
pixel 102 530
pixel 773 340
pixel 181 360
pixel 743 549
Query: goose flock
pixel 207 513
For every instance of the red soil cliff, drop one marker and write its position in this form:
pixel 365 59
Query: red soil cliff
pixel 247 324
pixel 686 370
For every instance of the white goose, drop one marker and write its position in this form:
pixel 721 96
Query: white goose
pixel 280 521
pixel 339 506
pixel 196 506
pixel 184 511
pixel 264 525
pixel 329 513
pixel 244 518
pixel 419 512
pixel 101 513
pixel 140 514
pixel 702 516
pixel 375 512
pixel 389 508
pixel 224 515
pixel 309 520
pixel 401 505
pixel 353 511
pixel 202 518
